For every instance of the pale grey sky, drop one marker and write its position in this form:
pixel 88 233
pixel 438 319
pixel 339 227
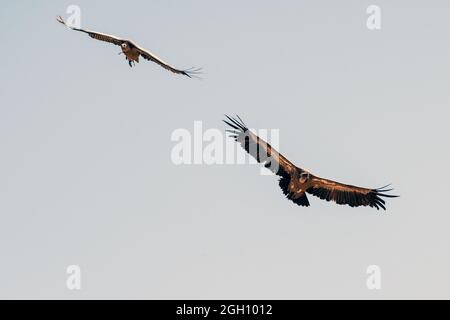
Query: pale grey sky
pixel 86 175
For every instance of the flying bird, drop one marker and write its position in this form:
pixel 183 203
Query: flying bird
pixel 131 50
pixel 297 182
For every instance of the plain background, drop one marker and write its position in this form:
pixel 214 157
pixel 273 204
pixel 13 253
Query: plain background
pixel 87 179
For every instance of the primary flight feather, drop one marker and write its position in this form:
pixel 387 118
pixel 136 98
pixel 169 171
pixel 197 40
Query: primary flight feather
pixel 131 50
pixel 297 182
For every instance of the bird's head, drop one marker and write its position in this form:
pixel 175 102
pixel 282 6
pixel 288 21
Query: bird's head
pixel 304 176
pixel 125 47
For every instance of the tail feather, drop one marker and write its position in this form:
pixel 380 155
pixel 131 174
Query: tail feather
pixel 302 201
pixel 284 184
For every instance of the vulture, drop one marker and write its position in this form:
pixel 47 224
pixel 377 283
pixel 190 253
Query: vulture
pixel 131 50
pixel 296 182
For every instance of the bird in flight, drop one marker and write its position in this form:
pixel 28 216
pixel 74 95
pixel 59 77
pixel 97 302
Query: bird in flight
pixel 131 50
pixel 297 182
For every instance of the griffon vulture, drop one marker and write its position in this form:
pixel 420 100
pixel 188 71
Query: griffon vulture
pixel 131 50
pixel 297 182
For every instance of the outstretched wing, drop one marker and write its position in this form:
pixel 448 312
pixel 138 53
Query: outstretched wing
pixel 152 57
pixel 264 153
pixel 95 35
pixel 347 194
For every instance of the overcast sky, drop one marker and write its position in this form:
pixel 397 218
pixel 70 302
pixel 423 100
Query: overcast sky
pixel 85 163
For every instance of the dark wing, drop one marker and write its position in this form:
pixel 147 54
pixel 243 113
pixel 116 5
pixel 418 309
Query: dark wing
pixel 95 35
pixel 147 55
pixel 347 194
pixel 264 153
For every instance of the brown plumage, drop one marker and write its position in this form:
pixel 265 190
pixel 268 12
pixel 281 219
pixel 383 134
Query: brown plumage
pixel 296 182
pixel 131 50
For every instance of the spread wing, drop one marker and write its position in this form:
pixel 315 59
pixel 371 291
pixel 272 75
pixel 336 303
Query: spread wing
pixel 152 57
pixel 347 194
pixel 95 35
pixel 264 153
